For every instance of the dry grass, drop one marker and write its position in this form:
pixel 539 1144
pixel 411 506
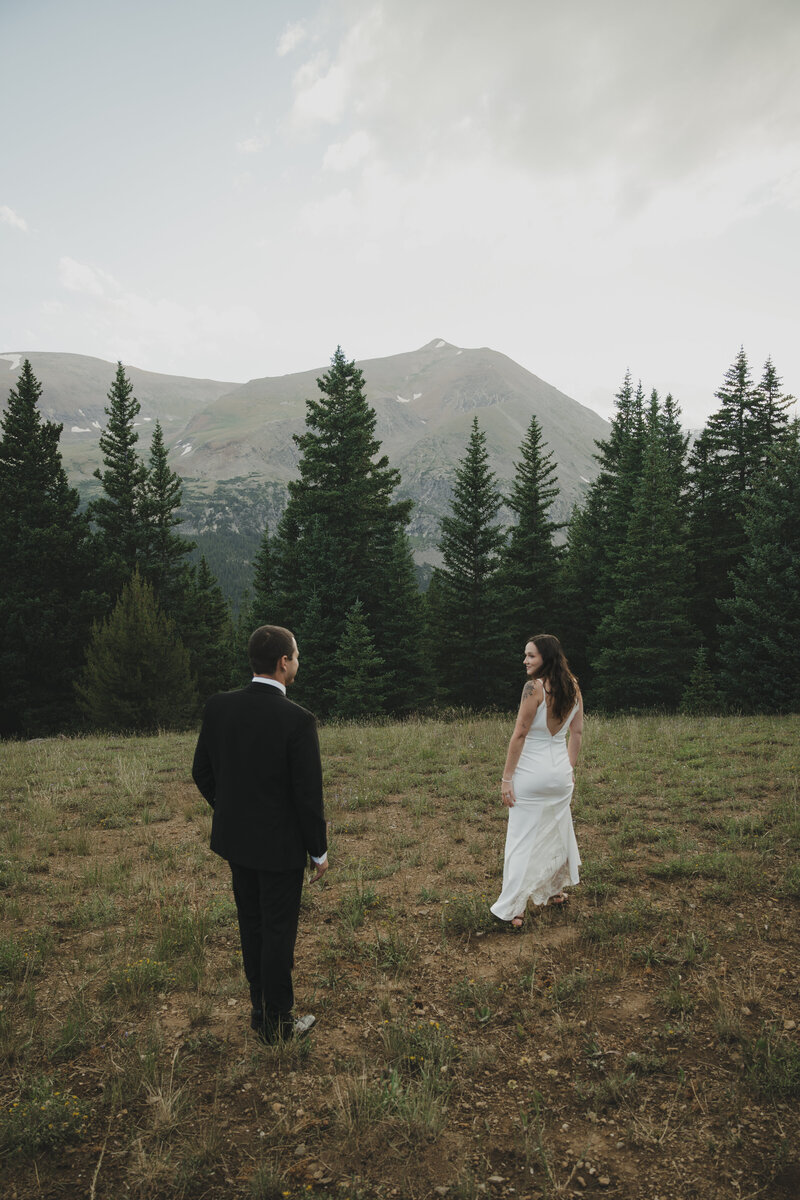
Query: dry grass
pixel 640 1042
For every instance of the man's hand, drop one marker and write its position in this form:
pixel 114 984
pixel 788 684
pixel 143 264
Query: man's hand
pixel 319 871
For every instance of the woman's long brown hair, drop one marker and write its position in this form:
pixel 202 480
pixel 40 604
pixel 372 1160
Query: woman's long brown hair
pixel 555 669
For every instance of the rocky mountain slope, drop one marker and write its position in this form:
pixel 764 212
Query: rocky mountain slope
pixel 75 390
pixel 232 443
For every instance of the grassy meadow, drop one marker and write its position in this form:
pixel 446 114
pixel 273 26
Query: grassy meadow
pixel 640 1041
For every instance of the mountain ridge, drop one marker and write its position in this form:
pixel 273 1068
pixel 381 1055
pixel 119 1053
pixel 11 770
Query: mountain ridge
pixel 232 443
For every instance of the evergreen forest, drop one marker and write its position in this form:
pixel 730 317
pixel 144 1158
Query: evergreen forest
pixel 674 587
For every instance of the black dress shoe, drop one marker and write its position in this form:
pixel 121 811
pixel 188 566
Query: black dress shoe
pixel 283 1029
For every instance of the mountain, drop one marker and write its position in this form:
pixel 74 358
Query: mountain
pixel 75 390
pixel 232 443
pixel 424 403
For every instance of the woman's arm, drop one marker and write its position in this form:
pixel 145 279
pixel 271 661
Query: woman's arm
pixel 532 695
pixel 575 734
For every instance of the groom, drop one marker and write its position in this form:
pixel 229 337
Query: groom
pixel 257 763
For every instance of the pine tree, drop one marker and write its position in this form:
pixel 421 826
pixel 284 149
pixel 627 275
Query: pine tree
pixel 118 511
pixel 675 444
pixel 262 601
pixel 644 645
pixel 340 483
pixel 259 606
pixel 760 643
pixel 397 613
pixel 707 516
pixel 207 632
pixel 335 539
pixel 620 458
pixel 360 669
pixel 726 463
pixel 470 631
pixel 751 422
pixel 583 561
pixel 46 569
pixel 137 676
pixel 164 552
pixel 701 696
pixel 315 686
pixel 771 416
pixel 243 626
pixel 529 564
pixel 591 565
pixel 435 633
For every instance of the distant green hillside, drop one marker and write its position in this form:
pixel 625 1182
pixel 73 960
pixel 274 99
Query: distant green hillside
pixel 233 443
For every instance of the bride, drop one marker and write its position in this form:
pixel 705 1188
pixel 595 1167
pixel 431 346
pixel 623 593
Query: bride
pixel 541 856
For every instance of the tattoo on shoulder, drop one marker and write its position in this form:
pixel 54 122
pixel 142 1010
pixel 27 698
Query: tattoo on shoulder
pixel 528 690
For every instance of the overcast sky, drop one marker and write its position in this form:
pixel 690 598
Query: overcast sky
pixel 232 189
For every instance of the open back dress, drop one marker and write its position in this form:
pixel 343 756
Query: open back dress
pixel 541 855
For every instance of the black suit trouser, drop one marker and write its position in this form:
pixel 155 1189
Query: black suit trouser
pixel 268 908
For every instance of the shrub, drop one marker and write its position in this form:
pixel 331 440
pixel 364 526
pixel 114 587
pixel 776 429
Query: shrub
pixel 42 1119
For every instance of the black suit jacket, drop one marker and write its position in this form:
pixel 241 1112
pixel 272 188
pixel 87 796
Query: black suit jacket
pixel 258 765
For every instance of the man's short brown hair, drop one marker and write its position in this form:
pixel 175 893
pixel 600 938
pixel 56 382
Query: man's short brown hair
pixel 267 646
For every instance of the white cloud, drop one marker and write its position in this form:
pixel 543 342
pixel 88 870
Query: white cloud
pixel 342 156
pixel 503 215
pixel 156 332
pixel 621 177
pixel 9 217
pixel 649 93
pixel 715 198
pixel 321 92
pixel 168 321
pixel 558 175
pixel 292 36
pixel 79 277
pixel 323 89
pixel 786 190
pixel 337 213
pixel 252 145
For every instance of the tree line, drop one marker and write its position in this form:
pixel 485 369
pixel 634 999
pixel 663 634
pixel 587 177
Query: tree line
pixel 103 621
pixel 677 585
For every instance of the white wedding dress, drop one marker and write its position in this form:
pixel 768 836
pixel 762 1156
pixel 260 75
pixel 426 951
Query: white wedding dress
pixel 541 854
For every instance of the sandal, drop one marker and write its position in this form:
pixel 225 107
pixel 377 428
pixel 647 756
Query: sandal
pixel 559 898
pixel 517 922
